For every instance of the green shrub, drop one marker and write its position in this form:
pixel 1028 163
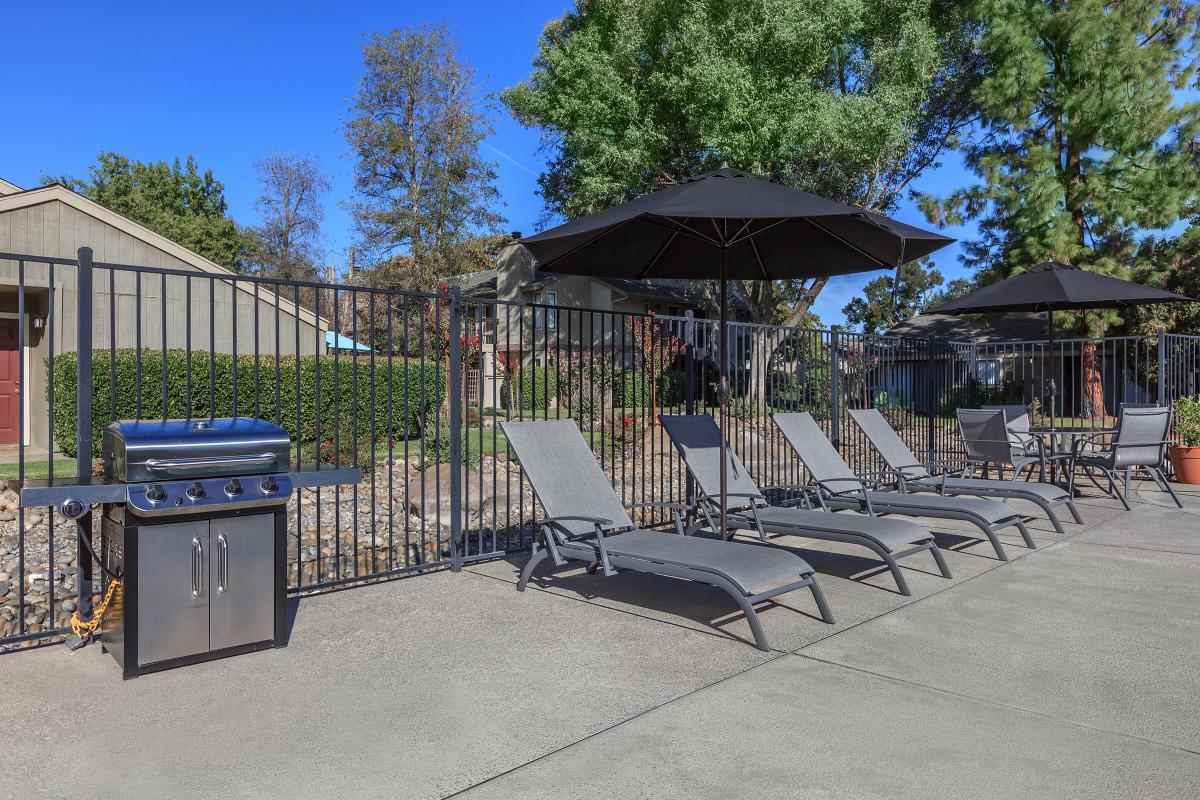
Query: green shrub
pixel 538 385
pixel 416 393
pixel 435 446
pixel 631 389
pixel 1187 421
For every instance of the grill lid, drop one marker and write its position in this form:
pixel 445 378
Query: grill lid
pixel 140 450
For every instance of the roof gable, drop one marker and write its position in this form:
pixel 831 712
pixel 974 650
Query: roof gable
pixel 59 193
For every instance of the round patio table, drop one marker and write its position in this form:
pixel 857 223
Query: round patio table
pixel 1062 443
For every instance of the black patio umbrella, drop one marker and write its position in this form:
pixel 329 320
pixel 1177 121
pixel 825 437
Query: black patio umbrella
pixel 729 224
pixel 1053 287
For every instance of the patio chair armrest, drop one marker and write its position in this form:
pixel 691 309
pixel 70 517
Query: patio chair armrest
pixel 598 524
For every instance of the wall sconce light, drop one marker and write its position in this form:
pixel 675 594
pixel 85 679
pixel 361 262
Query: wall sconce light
pixel 39 323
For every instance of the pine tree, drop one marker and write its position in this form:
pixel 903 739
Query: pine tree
pixel 1084 142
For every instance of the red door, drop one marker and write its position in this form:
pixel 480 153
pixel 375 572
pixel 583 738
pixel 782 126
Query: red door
pixel 10 385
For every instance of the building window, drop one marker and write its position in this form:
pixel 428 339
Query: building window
pixel 989 372
pixel 546 318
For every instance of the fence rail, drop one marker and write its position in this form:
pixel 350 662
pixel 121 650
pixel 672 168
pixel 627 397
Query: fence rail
pixel 412 387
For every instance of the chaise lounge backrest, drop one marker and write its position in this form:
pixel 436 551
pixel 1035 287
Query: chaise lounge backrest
pixel 565 474
pixel 896 454
pixel 698 440
pixel 816 451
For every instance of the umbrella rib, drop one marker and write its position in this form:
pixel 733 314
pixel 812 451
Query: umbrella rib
pixel 739 238
pixel 680 227
pixel 758 257
pixel 657 256
pixel 883 264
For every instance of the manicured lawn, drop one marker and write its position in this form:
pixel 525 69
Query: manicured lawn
pixel 63 468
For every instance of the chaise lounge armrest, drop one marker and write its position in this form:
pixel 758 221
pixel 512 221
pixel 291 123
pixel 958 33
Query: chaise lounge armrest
pixel 555 523
pixel 805 494
pixel 674 508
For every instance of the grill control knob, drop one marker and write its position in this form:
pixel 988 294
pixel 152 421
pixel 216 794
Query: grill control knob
pixel 196 490
pixel 269 484
pixel 156 494
pixel 233 488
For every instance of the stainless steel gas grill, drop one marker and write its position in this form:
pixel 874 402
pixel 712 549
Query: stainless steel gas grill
pixel 199 540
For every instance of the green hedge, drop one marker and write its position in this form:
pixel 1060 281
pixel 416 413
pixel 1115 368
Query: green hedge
pixel 538 386
pixel 631 389
pixel 424 388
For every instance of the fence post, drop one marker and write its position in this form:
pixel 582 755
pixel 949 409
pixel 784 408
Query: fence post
pixel 689 362
pixel 1162 366
pixel 456 397
pixel 835 389
pixel 83 424
pixel 931 403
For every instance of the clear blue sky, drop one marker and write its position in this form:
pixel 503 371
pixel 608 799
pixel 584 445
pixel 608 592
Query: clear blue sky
pixel 232 81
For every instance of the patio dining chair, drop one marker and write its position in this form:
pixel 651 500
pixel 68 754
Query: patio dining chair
pixel 913 476
pixel 839 487
pixel 585 521
pixel 698 440
pixel 1139 445
pixel 989 440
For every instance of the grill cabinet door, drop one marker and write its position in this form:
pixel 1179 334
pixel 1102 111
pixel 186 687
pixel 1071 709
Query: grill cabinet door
pixel 242 562
pixel 172 612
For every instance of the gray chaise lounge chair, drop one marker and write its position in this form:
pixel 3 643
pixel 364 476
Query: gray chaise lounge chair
pixel 913 476
pixel 698 440
pixel 839 487
pixel 586 522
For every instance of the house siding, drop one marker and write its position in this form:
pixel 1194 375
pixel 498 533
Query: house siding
pixel 55 229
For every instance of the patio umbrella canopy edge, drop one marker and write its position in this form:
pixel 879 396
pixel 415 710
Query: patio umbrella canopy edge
pixel 729 224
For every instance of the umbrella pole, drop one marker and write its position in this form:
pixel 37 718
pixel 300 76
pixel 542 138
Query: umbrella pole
pixel 1050 357
pixel 723 399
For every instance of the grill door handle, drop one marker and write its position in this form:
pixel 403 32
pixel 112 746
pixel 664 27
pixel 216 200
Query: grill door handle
pixel 213 461
pixel 222 563
pixel 197 567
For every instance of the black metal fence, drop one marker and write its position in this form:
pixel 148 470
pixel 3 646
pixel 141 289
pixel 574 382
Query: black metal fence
pixel 411 387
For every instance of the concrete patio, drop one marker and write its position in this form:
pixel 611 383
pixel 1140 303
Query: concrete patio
pixel 1071 671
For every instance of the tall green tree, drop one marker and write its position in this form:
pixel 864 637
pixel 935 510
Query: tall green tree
pixel 175 200
pixel 423 188
pixel 850 99
pixel 1084 142
pixel 880 308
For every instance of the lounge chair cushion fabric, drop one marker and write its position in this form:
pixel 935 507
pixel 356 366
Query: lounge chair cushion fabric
pixel 892 534
pixel 991 511
pixel 1046 491
pixel 565 474
pixel 750 567
pixel 698 440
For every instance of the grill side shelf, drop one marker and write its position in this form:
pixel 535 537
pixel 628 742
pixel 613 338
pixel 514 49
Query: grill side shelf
pixel 46 492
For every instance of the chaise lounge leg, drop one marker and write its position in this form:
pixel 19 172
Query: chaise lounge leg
pixel 1029 542
pixel 1050 515
pixel 995 540
pixel 538 557
pixel 760 638
pixel 901 583
pixel 819 598
pixel 1074 511
pixel 941 561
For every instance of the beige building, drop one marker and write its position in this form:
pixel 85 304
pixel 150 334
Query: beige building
pixel 589 313
pixel 52 222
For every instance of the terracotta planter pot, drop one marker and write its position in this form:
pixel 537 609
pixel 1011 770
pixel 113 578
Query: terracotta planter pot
pixel 1186 463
